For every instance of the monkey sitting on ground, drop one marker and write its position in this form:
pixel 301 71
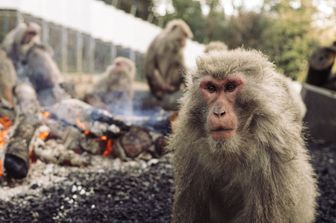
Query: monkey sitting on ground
pixel 239 153
pixel 114 91
pixel 164 62
pixel 34 63
pixel 215 46
pixel 7 80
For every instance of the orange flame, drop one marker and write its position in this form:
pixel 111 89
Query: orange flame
pixel 6 123
pixel 46 114
pixel 1 171
pixel 82 126
pixel 108 148
pixel 43 135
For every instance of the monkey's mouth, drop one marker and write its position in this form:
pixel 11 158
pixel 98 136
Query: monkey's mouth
pixel 222 133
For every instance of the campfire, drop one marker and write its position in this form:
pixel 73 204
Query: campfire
pixel 47 123
pixel 71 132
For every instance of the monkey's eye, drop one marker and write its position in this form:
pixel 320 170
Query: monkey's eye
pixel 211 88
pixel 230 86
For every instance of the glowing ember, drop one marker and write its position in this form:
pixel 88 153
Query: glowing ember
pixel 1 171
pixel 46 114
pixel 6 123
pixel 108 148
pixel 43 135
pixel 82 126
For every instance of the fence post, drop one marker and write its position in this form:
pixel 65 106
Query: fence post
pixel 79 52
pixel 91 55
pixel 113 52
pixel 64 43
pixel 5 24
pixel 45 32
pixel 132 55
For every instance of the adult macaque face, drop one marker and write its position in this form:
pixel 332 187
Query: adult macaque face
pixel 220 96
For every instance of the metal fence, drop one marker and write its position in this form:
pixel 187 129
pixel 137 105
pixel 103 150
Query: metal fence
pixel 74 51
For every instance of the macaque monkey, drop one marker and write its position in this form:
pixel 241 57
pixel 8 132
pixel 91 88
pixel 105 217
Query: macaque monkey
pixel 164 62
pixel 34 63
pixel 239 152
pixel 118 77
pixel 114 91
pixel 19 40
pixel 215 46
pixel 7 80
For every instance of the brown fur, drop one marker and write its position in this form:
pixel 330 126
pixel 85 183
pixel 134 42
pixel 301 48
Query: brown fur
pixel 114 90
pixel 34 62
pixel 215 46
pixel 164 61
pixel 260 175
pixel 118 78
pixel 7 80
pixel 15 43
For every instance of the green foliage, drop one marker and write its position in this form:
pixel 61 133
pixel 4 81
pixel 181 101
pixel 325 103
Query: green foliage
pixel 281 29
pixel 246 29
pixel 191 12
pixel 288 40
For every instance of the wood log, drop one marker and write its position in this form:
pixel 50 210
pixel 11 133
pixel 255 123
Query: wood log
pixel 84 116
pixel 16 161
pixel 136 141
pixel 17 154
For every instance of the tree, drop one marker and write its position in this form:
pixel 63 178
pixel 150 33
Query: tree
pixel 246 29
pixel 289 39
pixel 191 13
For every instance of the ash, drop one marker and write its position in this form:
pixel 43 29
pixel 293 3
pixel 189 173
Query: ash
pixel 116 191
pixel 110 191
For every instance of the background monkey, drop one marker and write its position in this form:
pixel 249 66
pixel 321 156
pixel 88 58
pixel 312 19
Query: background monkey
pixel 7 80
pixel 164 62
pixel 239 154
pixel 215 46
pixel 34 63
pixel 114 90
pixel 118 77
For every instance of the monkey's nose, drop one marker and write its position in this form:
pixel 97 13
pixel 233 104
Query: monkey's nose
pixel 219 113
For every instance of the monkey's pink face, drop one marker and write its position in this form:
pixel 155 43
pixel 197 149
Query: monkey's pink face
pixel 220 96
pixel 119 67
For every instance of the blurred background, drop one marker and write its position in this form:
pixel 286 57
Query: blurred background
pixel 85 35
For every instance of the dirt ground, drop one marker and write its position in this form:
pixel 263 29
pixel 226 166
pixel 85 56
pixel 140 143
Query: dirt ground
pixel 132 192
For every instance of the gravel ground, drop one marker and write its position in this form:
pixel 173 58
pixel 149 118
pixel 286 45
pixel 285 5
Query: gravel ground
pixel 137 193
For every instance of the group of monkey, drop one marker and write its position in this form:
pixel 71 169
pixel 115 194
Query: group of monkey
pixel 238 142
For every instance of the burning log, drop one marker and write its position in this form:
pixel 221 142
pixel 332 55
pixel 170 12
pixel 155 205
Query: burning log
pixel 5 124
pixel 16 161
pixel 87 118
pixel 17 155
pixel 54 152
pixel 136 141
